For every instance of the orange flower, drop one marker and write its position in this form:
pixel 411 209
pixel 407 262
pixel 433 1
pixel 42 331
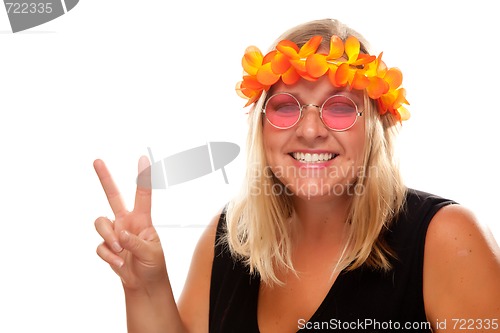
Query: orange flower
pixel 344 65
pixel 297 57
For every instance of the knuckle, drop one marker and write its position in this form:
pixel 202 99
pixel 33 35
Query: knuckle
pixel 135 245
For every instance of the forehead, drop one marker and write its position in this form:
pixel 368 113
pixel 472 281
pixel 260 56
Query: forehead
pixel 309 92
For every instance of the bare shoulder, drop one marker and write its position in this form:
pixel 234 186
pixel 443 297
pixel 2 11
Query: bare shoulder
pixel 207 239
pixel 194 301
pixel 461 269
pixel 459 225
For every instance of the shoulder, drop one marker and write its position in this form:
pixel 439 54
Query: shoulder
pixel 461 267
pixel 456 231
pixel 455 219
pixel 194 301
pixel 411 223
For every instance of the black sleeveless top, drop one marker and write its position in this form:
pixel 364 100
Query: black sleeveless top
pixel 362 300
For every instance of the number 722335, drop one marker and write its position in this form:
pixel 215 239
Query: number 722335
pixel 475 324
pixel 29 8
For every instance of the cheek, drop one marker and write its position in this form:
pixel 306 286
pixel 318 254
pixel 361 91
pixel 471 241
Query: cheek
pixel 354 145
pixel 272 138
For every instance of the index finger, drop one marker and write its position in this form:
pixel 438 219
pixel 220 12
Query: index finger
pixel 114 197
pixel 144 188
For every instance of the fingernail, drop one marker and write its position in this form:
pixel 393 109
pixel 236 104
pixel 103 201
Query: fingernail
pixel 125 236
pixel 116 247
pixel 118 263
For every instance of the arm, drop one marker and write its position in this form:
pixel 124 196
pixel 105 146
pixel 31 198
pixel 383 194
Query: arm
pixel 461 274
pixel 150 303
pixel 195 298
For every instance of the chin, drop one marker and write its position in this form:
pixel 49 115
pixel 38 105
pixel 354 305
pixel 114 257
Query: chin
pixel 318 188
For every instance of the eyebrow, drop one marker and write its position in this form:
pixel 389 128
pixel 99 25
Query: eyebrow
pixel 358 98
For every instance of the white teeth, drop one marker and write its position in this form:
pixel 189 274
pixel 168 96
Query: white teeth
pixel 312 158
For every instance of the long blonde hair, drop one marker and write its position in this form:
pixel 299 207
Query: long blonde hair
pixel 257 220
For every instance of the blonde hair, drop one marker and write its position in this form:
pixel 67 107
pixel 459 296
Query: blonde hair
pixel 257 220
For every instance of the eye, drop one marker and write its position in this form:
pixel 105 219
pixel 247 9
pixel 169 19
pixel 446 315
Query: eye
pixel 339 106
pixel 286 108
pixel 282 104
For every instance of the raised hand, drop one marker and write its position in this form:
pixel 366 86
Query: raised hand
pixel 131 244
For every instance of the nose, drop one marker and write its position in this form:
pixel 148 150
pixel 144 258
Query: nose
pixel 311 126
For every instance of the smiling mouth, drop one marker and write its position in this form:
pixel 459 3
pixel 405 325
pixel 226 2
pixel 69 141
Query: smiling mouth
pixel 313 158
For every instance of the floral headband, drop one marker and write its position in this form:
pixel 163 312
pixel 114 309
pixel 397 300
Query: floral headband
pixel 290 63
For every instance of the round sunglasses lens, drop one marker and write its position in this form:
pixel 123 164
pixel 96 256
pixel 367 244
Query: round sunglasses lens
pixel 339 112
pixel 282 110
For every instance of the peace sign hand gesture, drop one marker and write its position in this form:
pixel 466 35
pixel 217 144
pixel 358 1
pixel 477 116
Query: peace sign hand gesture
pixel 131 244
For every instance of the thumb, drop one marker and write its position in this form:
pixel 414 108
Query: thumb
pixel 137 246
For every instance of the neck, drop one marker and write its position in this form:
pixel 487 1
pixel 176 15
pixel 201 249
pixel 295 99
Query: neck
pixel 317 220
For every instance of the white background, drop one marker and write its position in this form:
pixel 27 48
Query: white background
pixel 111 78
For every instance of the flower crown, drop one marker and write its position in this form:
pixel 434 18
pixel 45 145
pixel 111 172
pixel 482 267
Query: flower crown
pixel 360 71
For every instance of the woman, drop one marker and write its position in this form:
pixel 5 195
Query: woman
pixel 324 236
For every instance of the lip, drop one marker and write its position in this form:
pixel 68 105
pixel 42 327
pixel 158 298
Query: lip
pixel 313 151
